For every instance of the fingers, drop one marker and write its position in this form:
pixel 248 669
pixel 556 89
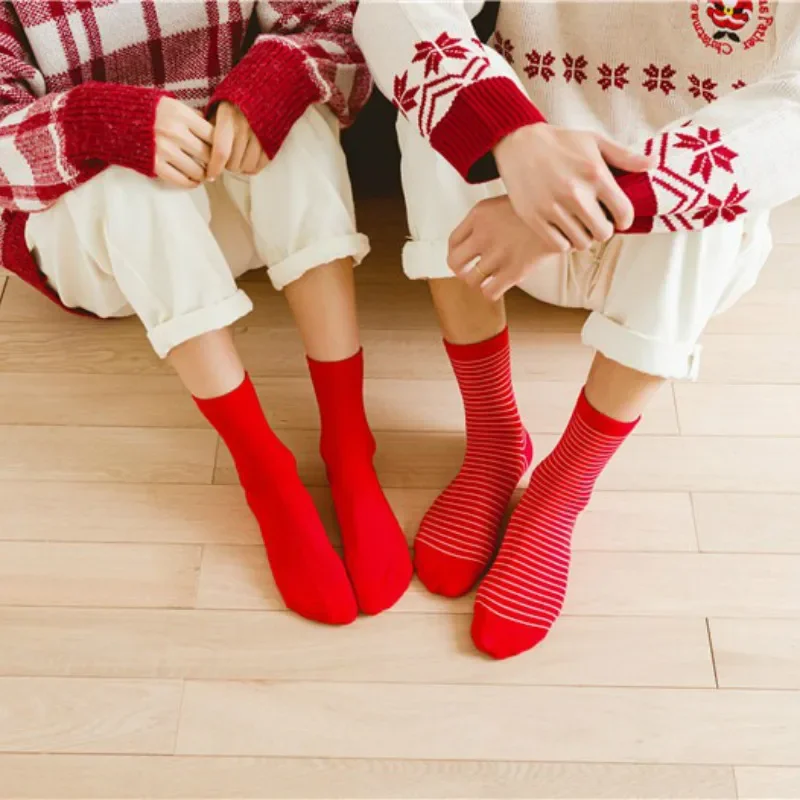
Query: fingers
pixel 222 142
pixel 252 156
pixel 620 157
pixel 200 127
pixel 240 142
pixel 593 218
pixel 460 257
pixel 263 160
pixel 571 225
pixel 175 157
pixel 552 238
pixel 617 203
pixel 174 177
pixel 195 148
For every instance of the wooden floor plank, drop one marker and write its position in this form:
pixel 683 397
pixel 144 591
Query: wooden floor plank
pixel 168 513
pixel 757 653
pixel 748 523
pixel 645 463
pixel 186 778
pixel 58 715
pixel 149 512
pixel 137 575
pixel 602 584
pixel 742 358
pixel 42 453
pixel 394 648
pixel 161 401
pixel 728 410
pixel 490 722
pixel 765 783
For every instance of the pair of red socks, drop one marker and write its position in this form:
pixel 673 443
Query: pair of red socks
pixel 523 593
pixel 311 577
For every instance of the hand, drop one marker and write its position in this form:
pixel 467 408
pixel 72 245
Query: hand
pixel 494 249
pixel 235 148
pixel 183 140
pixel 559 182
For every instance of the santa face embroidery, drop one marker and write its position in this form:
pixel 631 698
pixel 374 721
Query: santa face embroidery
pixel 729 18
pixel 728 26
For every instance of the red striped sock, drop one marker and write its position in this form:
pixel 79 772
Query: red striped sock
pixel 524 591
pixel 458 535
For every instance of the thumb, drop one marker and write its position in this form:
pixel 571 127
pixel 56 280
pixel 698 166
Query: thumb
pixel 619 157
pixel 222 145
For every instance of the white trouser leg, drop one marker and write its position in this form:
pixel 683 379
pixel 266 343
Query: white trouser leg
pixel 124 244
pixel 437 201
pixel 300 207
pixel 664 289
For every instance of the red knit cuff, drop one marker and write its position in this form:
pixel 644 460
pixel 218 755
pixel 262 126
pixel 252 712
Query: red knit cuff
pixel 599 422
pixel 639 190
pixel 482 114
pixel 272 86
pixel 112 124
pixel 484 349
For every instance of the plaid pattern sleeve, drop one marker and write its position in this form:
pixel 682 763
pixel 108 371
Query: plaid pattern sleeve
pixel 52 142
pixel 307 55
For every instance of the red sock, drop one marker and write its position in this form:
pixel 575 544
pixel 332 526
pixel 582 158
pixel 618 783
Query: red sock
pixel 375 549
pixel 458 535
pixel 308 572
pixel 523 593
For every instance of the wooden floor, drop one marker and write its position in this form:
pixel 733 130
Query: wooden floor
pixel 144 652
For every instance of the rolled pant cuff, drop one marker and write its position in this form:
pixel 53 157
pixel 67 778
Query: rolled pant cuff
pixel 168 335
pixel 426 260
pixel 355 246
pixel 675 360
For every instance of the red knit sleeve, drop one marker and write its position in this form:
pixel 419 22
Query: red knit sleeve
pixel 462 96
pixel 305 55
pixel 50 143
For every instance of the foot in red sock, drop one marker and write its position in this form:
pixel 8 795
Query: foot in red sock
pixel 523 593
pixel 308 572
pixel 375 548
pixel 458 535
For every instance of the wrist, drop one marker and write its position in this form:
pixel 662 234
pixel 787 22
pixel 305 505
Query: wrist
pixel 520 139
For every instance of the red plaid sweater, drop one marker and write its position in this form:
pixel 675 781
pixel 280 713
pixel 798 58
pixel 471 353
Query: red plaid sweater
pixel 80 82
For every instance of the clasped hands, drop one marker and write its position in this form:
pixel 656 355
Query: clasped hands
pixel 562 196
pixel 191 150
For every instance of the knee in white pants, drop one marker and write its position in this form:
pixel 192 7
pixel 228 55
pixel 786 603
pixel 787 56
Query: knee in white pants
pixel 300 207
pixel 138 245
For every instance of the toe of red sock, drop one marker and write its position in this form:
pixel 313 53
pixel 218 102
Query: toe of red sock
pixel 376 592
pixel 444 574
pixel 499 637
pixel 375 548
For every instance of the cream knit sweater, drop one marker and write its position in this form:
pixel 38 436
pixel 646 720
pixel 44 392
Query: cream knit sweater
pixel 712 87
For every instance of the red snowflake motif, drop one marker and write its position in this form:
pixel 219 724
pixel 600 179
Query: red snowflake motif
pixel 729 208
pixel 405 96
pixel 711 152
pixel 575 68
pixel 740 84
pixel 659 78
pixel 540 66
pixel 702 88
pixel 504 47
pixel 433 53
pixel 613 76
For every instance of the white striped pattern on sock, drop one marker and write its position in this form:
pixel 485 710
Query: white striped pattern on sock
pixel 464 520
pixel 528 581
